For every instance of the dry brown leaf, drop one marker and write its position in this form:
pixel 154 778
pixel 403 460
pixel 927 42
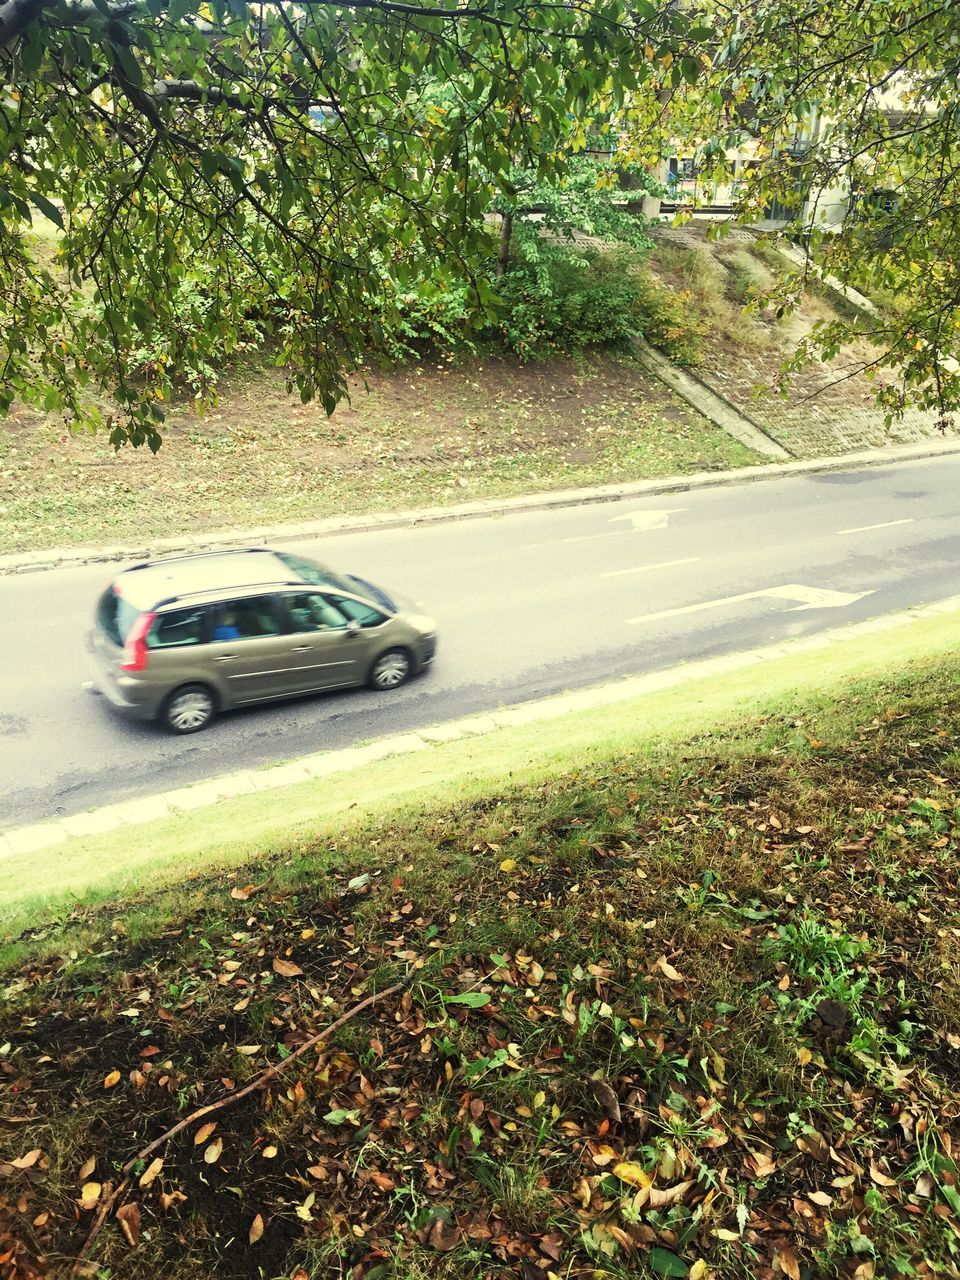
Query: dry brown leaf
pixel 151 1171
pixel 89 1194
pixel 111 1079
pixel 204 1132
pixel 925 1185
pixel 865 1271
pixel 269 1153
pixel 443 1236
pixel 383 1181
pixel 169 1199
pixel 86 1169
pixel 214 1151
pixel 879 1177
pixel 605 1095
pixel 286 968
pixel 317 1171
pixel 242 894
pixel 660 1197
pixel 788 1263
pixel 128 1215
pixel 821 1198
pixel 256 1229
pixel 668 971
pixel 29 1160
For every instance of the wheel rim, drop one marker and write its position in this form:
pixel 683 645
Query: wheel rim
pixel 391 670
pixel 190 710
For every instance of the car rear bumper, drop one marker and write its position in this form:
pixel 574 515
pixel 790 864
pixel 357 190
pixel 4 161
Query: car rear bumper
pixel 126 695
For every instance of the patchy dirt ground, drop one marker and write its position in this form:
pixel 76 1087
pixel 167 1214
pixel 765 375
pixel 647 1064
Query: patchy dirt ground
pixel 432 433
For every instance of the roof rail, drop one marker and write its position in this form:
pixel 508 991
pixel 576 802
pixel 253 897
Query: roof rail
pixel 198 555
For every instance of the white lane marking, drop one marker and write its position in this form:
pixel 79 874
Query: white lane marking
pixel 645 520
pixel 583 537
pixel 810 597
pixel 647 568
pixel 865 528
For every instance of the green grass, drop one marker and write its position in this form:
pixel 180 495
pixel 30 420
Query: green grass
pixel 271 824
pixel 683 1001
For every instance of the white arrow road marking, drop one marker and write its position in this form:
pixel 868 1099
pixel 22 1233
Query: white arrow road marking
pixel 809 597
pixel 643 521
pixel 646 568
pixel 865 528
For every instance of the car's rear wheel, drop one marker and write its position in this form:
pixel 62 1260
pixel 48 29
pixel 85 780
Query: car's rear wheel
pixel 188 709
pixel 391 669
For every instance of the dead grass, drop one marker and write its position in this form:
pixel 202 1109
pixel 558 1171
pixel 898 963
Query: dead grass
pixel 431 434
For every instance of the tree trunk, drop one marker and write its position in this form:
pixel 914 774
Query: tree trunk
pixel 506 236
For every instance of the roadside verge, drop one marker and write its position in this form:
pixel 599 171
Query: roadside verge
pixel 299 531
pixel 226 822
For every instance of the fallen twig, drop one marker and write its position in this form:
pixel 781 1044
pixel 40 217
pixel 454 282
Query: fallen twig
pixel 107 1202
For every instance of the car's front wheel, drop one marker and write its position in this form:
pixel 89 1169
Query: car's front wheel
pixel 391 669
pixel 188 709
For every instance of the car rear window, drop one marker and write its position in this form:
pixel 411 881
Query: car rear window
pixel 116 616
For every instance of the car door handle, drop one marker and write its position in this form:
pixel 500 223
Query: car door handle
pixel 226 657
pixel 301 648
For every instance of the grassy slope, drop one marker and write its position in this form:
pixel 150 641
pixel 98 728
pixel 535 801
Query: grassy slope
pixel 432 434
pixel 710 1024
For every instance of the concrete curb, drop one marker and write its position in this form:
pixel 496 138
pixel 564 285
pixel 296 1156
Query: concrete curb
pixel 261 535
pixel 324 764
pixel 710 403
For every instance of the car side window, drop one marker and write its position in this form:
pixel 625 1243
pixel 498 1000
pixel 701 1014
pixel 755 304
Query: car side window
pixel 358 611
pixel 180 627
pixel 311 611
pixel 247 619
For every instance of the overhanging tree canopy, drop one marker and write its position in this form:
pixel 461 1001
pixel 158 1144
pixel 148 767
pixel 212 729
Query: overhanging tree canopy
pixel 285 154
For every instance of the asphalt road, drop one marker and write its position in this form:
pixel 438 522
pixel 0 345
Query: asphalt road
pixel 527 604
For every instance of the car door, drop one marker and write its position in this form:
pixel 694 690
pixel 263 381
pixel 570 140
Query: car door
pixel 328 651
pixel 249 654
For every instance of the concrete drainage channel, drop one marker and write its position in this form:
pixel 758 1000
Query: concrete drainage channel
pixel 325 764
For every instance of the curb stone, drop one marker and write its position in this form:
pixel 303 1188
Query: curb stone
pixel 261 535
pixel 207 792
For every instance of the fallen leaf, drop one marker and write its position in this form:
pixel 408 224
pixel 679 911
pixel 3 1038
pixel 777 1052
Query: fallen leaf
pixel 665 1263
pixel 879 1177
pixel 151 1171
pixel 605 1095
pixel 111 1079
pixel 821 1198
pixel 286 968
pixel 256 1229
pixel 634 1175
pixel 698 1270
pixel 169 1199
pixel 788 1263
pixel 128 1215
pixel 660 1197
pixel 668 971
pixel 29 1160
pixel 508 864
pixel 242 894
pixel 925 1185
pixel 89 1194
pixel 269 1153
pixel 213 1152
pixel 86 1169
pixel 383 1181
pixel 865 1271
pixel 443 1236
pixel 248 1050
pixel 204 1132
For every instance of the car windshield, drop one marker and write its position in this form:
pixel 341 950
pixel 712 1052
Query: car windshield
pixel 317 574
pixel 116 616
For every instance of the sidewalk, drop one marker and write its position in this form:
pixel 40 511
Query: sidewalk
pixel 260 535
pixel 208 792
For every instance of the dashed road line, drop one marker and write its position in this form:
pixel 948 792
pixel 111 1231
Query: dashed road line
pixel 648 568
pixel 865 528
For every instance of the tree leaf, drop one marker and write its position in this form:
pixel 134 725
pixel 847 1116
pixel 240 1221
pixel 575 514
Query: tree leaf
pixel 256 1229
pixel 204 1132
pixel 128 1215
pixel 213 1152
pixel 29 1160
pixel 112 1078
pixel 286 968
pixel 634 1175
pixel 151 1171
pixel 665 1263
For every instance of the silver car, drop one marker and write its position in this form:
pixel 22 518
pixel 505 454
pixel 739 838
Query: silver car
pixel 182 639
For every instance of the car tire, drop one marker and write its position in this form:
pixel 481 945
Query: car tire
pixel 390 670
pixel 188 709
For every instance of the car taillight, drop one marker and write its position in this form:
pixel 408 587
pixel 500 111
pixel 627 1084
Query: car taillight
pixel 135 651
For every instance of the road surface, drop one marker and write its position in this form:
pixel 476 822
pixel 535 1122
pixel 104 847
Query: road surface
pixel 527 604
